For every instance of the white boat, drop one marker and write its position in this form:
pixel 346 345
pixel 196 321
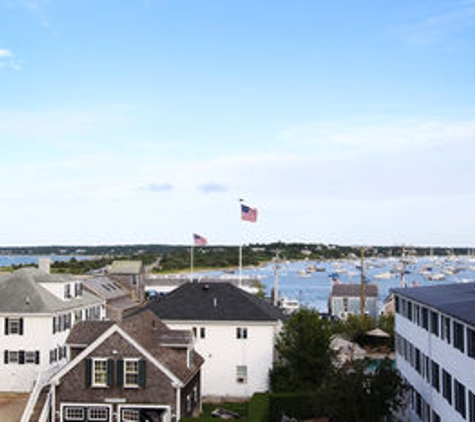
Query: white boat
pixel 384 276
pixel 289 305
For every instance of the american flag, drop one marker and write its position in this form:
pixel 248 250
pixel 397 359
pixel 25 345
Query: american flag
pixel 248 213
pixel 199 240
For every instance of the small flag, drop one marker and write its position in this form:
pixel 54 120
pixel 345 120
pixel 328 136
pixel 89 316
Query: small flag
pixel 248 213
pixel 199 240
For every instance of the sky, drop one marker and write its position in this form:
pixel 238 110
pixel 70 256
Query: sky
pixel 145 121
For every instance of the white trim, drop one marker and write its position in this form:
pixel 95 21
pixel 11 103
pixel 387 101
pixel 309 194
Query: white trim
pixel 111 330
pixel 167 408
pixel 88 405
pixel 197 322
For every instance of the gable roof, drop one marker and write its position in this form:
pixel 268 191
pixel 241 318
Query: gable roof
pixel 21 292
pixel 214 302
pixel 457 299
pixel 148 333
pixel 354 290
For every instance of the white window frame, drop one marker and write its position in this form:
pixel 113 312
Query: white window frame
pixel 132 373
pixel 74 416
pixel 92 417
pixel 129 415
pixel 13 356
pixel 241 374
pixel 99 361
pixel 14 325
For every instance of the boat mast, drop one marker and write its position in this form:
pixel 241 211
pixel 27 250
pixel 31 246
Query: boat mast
pixel 362 283
pixel 403 268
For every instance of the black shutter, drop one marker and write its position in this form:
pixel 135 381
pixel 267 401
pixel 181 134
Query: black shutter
pixel 88 373
pixel 37 357
pixel 120 373
pixel 20 327
pixel 21 357
pixel 142 375
pixel 5 357
pixel 6 326
pixel 110 372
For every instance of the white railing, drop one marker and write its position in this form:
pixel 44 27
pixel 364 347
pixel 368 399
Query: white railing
pixel 40 382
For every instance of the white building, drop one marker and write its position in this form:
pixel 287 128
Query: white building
pixel 435 350
pixel 234 331
pixel 37 311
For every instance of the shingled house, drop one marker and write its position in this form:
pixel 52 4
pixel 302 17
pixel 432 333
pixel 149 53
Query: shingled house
pixel 345 299
pixel 131 275
pixel 235 332
pixel 129 371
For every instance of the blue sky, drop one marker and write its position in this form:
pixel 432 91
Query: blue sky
pixel 144 121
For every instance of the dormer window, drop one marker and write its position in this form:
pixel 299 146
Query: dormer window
pixel 78 289
pixel 67 291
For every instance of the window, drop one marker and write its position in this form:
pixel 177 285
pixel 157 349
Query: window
pixel 14 326
pixel 188 403
pixel 32 357
pixel 471 343
pixel 130 415
pixel 435 416
pixel 434 323
pixel 418 365
pixel 73 413
pixel 241 333
pixel 447 386
pixel 471 407
pixel 459 339
pixel 425 318
pixel 345 304
pixel 409 311
pixel 397 306
pixel 241 374
pixel 417 314
pixel 131 373
pixel 460 401
pixel 78 289
pixel 98 414
pixel 435 376
pixel 67 291
pixel 12 356
pixel 99 371
pixel 203 332
pixel 445 329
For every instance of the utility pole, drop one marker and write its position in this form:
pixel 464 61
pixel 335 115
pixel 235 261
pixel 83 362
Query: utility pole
pixel 362 283
pixel 275 292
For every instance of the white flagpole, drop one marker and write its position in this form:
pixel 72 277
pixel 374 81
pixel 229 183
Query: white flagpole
pixel 240 244
pixel 191 261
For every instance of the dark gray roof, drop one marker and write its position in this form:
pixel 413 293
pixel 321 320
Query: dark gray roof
pixel 456 300
pixel 21 292
pixel 354 290
pixel 214 302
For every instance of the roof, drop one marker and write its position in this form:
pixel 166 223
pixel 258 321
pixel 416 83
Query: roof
pixel 126 267
pixel 21 292
pixel 354 290
pixel 214 302
pixel 456 300
pixel 148 332
pixel 105 288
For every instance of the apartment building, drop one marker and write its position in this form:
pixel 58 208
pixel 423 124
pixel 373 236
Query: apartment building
pixel 435 350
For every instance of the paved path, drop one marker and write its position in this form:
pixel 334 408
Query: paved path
pixel 12 406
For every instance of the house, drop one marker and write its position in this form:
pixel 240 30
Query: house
pixel 235 332
pixel 131 275
pixel 129 371
pixel 37 311
pixel 345 299
pixel 117 298
pixel 435 350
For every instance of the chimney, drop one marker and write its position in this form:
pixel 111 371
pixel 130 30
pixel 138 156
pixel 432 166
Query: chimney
pixel 44 265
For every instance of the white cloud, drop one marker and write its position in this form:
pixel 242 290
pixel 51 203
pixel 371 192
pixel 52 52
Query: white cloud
pixel 5 53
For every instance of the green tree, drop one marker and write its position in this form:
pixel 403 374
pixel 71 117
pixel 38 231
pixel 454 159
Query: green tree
pixel 304 356
pixel 353 394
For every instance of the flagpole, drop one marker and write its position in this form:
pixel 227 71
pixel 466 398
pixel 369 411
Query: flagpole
pixel 240 245
pixel 191 261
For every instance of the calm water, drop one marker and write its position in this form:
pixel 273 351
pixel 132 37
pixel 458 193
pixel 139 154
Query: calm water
pixel 312 290
pixel 7 260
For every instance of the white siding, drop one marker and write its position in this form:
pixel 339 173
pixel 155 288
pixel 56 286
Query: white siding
pixel 223 352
